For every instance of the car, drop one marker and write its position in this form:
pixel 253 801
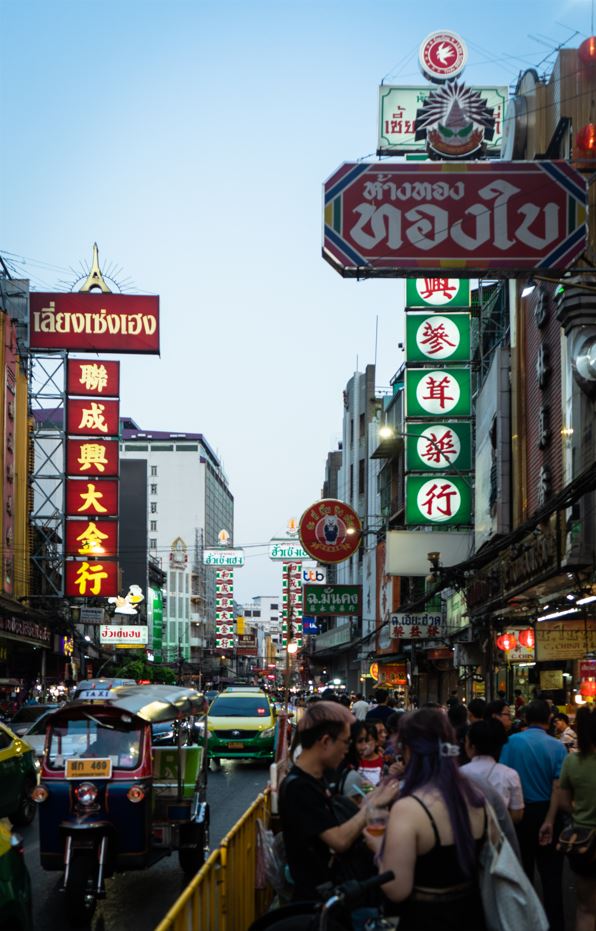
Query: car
pixel 26 715
pixel 241 725
pixel 98 688
pixel 243 688
pixel 36 734
pixel 211 695
pixel 15 884
pixel 19 775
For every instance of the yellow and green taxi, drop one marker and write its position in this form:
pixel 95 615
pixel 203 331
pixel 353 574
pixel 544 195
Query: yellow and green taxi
pixel 19 774
pixel 241 725
pixel 15 885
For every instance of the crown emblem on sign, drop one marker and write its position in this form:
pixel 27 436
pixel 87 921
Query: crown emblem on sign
pixel 455 120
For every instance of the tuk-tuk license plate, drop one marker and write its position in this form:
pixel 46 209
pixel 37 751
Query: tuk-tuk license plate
pixel 89 769
pixel 235 746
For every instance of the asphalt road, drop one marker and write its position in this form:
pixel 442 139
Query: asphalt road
pixel 137 901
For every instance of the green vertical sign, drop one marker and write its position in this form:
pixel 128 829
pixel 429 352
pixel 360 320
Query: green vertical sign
pixel 443 337
pixel 438 500
pixel 156 622
pixel 438 392
pixel 441 446
pixel 438 293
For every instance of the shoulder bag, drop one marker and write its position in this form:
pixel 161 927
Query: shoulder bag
pixel 579 845
pixel 508 897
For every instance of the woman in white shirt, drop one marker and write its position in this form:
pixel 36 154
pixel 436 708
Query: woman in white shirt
pixel 483 746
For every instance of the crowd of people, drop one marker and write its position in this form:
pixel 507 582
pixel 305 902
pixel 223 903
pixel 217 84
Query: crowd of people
pixel 376 787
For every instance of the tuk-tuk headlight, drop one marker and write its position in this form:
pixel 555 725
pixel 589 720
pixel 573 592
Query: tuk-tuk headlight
pixel 135 794
pixel 268 732
pixel 86 793
pixel 39 794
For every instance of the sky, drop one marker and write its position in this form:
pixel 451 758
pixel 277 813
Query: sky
pixel 190 140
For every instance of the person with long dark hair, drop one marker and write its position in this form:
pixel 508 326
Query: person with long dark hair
pixel 576 793
pixel 434 833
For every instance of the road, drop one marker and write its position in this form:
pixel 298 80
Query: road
pixel 139 900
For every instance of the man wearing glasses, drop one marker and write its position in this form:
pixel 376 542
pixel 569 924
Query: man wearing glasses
pixel 500 710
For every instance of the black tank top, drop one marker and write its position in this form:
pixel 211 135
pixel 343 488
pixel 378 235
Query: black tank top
pixel 439 867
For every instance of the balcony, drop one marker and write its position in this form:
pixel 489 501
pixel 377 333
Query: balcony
pixel 334 638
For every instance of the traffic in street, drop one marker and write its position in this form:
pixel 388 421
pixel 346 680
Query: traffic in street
pixel 140 900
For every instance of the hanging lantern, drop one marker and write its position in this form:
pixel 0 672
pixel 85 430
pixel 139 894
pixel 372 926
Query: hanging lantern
pixel 584 149
pixel 587 688
pixel 506 642
pixel 527 638
pixel 587 52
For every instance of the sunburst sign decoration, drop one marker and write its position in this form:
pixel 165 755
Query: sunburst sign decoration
pixel 456 121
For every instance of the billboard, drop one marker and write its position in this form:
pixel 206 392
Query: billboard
pixel 393 219
pixel 91 322
pixel 93 378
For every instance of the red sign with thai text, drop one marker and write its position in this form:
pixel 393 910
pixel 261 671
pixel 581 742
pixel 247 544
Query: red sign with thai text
pixel 92 457
pixel 97 378
pixel 398 219
pixel 92 417
pixel 330 531
pixel 93 578
pixel 91 322
pixel 97 538
pixel 93 498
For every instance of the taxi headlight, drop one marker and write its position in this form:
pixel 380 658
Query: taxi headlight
pixel 268 732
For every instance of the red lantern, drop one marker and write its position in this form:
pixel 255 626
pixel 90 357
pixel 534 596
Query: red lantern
pixel 527 638
pixel 506 642
pixel 587 688
pixel 587 51
pixel 584 150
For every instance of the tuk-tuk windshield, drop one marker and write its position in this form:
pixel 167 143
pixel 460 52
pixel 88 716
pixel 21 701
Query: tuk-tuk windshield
pixel 90 737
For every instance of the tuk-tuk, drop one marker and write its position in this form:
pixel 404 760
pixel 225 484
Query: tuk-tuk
pixel 119 789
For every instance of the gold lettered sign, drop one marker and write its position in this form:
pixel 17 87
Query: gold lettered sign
pixel 551 679
pixel 564 640
pixel 89 769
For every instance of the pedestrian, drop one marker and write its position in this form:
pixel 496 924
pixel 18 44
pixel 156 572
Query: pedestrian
pixel 458 717
pixel 577 794
pixel 519 700
pixel 538 758
pixel 476 710
pixel 500 710
pixel 453 699
pixel 351 783
pixel 381 711
pixel 360 707
pixel 434 833
pixel 311 827
pixel 370 755
pixel 484 741
pixel 563 731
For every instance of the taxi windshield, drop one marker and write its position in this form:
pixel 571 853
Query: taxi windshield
pixel 91 738
pixel 239 707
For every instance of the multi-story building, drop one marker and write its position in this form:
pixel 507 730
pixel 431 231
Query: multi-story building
pixel 188 503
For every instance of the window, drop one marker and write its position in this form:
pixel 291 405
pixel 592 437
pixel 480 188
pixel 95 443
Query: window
pixel 153 470
pixel 153 526
pixel 352 432
pixel 361 473
pixel 274 607
pixel 351 492
pixel 152 543
pixel 154 507
pixel 154 489
pixel 362 427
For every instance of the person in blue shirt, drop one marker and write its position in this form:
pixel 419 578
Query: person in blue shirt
pixel 537 758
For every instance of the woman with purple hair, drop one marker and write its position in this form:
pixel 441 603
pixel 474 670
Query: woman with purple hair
pixel 434 834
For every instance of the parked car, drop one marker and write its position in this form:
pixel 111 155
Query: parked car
pixel 15 884
pixel 26 715
pixel 19 774
pixel 241 725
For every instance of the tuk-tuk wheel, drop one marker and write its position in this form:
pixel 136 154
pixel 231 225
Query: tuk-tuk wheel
pixel 191 859
pixel 79 901
pixel 25 812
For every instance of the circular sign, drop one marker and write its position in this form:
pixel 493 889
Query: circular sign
pixel 438 446
pixel 434 500
pixel 438 392
pixel 430 292
pixel 330 531
pixel 438 337
pixel 374 670
pixel 442 56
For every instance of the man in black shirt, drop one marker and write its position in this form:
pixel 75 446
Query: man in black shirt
pixel 310 828
pixel 381 711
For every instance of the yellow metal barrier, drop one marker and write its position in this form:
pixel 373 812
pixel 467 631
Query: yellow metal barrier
pixel 223 895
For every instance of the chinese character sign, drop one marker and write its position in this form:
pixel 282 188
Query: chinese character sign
pixel 91 579
pixel 436 393
pixel 291 603
pixel 225 617
pixel 97 498
pixel 417 626
pixel 440 446
pixel 98 538
pixel 97 377
pixel 92 457
pixel 440 499
pixel 92 417
pixel 437 336
pixel 438 293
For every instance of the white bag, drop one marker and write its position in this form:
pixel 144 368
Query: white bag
pixel 508 897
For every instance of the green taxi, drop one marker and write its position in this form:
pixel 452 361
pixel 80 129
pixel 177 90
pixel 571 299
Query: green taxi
pixel 19 775
pixel 241 725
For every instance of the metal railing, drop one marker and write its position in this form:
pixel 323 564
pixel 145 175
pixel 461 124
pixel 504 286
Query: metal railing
pixel 223 895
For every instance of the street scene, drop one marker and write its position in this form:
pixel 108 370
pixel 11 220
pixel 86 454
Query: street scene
pixel 298 466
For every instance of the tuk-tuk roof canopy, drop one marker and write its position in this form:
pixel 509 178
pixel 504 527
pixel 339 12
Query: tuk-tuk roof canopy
pixel 152 703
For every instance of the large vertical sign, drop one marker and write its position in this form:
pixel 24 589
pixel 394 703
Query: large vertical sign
pixel 224 609
pixel 92 485
pixel 292 603
pixel 7 523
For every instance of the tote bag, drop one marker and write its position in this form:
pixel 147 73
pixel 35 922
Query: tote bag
pixel 508 897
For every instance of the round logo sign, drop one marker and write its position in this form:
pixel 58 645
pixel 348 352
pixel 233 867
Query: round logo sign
pixel 438 446
pixel 439 337
pixel 330 531
pixel 438 392
pixel 442 56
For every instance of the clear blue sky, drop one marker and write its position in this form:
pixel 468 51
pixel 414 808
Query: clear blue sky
pixel 190 139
